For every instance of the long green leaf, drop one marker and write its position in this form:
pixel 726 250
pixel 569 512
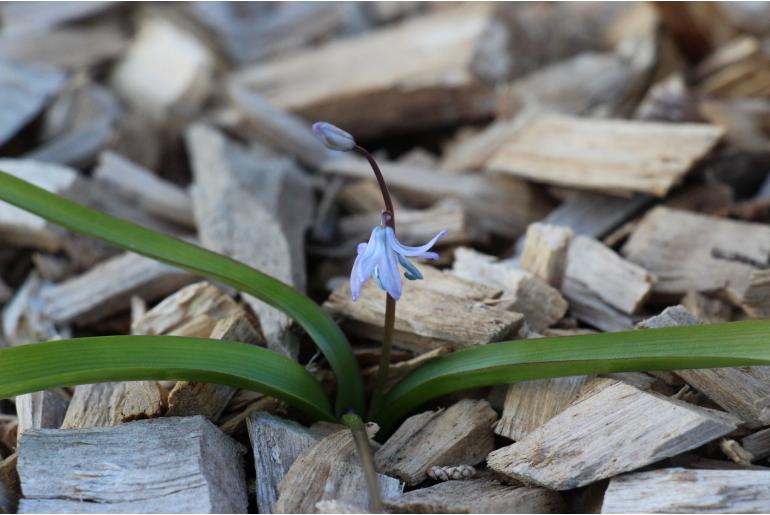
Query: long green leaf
pixel 141 240
pixel 30 368
pixel 676 348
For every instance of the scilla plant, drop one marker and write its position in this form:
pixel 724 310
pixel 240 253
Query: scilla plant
pixel 45 365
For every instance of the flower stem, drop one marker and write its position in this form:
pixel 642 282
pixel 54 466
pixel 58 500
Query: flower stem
pixel 390 303
pixel 361 440
pixel 381 181
pixel 387 345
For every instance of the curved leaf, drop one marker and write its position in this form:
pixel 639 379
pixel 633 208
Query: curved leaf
pixel 674 348
pixel 35 367
pixel 141 240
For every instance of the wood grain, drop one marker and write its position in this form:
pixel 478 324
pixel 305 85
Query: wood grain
pixel 606 155
pixel 173 465
pixel 461 434
pixel 607 431
pixel 678 490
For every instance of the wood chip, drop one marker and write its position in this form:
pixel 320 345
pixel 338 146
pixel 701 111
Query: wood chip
pixel 589 84
pixel 338 507
pixel 464 49
pixel 282 131
pixel 643 381
pixel 735 452
pixel 165 70
pixel 607 431
pixel 180 314
pixel 233 184
pixel 678 490
pixel 460 434
pixel 737 69
pixel 153 194
pixel 194 311
pixel 672 316
pixel 329 470
pixel 254 32
pixel 476 496
pixel 602 288
pixel 21 228
pixel 502 205
pixel 107 288
pixel 471 152
pixel 744 391
pixel 440 311
pixel 23 323
pixel 172 465
pixel 362 196
pixel 41 410
pixel 415 227
pixel 110 404
pixel 607 155
pixel 26 18
pixel 235 426
pixel 668 100
pixel 199 310
pixel 596 214
pixel 193 398
pixel 24 92
pixel 523 292
pixel 398 371
pixel 710 310
pixel 530 404
pixel 689 251
pixel 77 148
pixel 757 444
pixel 545 252
pixel 755 298
pixel 276 443
pixel 66 48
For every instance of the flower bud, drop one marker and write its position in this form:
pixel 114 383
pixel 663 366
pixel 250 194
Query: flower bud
pixel 333 137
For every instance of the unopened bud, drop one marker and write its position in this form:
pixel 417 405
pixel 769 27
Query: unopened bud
pixel 333 137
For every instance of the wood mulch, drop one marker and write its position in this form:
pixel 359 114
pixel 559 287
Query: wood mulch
pixel 598 167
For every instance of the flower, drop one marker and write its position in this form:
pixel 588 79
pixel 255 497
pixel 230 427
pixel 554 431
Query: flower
pixel 333 137
pixel 379 258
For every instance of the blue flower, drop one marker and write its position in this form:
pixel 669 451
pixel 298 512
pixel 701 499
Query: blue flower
pixel 333 137
pixel 380 258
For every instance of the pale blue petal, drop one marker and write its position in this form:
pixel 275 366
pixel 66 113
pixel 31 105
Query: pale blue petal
pixel 369 259
pixel 407 251
pixel 357 277
pixel 412 273
pixel 387 269
pixel 376 277
pixel 355 282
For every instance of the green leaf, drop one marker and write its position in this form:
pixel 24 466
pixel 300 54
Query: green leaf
pixel 35 367
pixel 675 348
pixel 326 334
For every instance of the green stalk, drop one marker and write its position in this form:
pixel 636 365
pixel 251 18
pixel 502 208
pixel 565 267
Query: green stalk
pixel 321 328
pixel 35 367
pixel 383 371
pixel 732 344
pixel 364 449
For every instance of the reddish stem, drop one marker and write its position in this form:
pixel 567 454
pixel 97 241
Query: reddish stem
pixel 383 187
